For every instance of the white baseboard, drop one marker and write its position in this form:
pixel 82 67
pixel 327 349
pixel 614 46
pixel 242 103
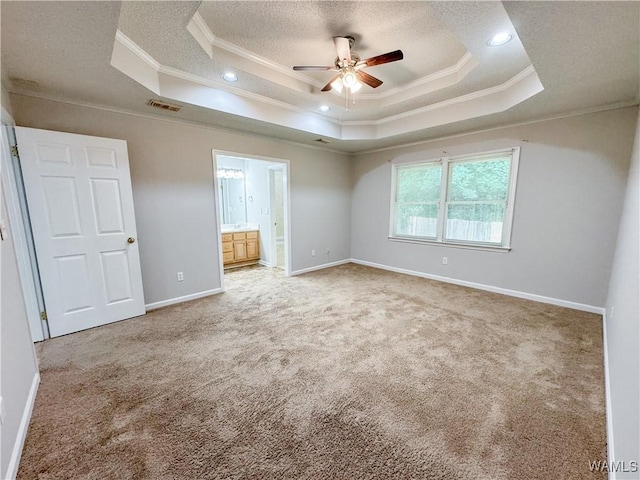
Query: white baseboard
pixel 263 263
pixel 186 298
pixel 321 267
pixel 14 462
pixel 488 288
pixel 607 399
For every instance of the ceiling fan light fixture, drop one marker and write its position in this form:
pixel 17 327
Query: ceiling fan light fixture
pixel 349 79
pixel 355 87
pixel 499 39
pixel 337 85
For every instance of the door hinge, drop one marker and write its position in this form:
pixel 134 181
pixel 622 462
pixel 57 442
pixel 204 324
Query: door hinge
pixel 43 316
pixel 14 151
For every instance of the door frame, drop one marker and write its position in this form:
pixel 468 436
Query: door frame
pixel 274 236
pixel 286 198
pixel 21 233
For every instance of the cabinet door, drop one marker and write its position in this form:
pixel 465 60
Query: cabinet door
pixel 227 257
pixel 253 251
pixel 240 250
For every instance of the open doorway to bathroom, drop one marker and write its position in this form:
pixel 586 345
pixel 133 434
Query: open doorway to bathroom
pixel 252 209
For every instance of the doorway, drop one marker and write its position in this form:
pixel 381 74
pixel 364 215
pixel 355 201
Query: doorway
pixel 276 189
pixel 252 211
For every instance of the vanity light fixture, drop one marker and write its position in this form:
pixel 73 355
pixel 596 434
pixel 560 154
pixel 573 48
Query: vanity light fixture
pixel 230 77
pixel 230 173
pixel 499 39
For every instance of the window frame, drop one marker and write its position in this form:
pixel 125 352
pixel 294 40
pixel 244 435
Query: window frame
pixel 446 162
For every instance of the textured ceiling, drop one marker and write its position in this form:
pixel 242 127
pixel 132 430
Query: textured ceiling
pixel 300 33
pixel 586 55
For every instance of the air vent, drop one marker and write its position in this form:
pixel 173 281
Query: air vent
pixel 323 140
pixel 24 84
pixel 163 105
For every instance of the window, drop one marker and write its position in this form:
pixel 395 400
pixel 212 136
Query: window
pixel 456 200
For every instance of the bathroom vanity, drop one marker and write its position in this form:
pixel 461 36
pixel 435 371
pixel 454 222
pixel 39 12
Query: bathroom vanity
pixel 240 247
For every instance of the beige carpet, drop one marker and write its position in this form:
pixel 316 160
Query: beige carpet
pixel 345 373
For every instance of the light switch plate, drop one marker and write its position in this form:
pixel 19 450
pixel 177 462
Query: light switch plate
pixel 2 412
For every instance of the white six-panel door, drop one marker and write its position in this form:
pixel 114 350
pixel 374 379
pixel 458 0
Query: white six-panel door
pixel 81 209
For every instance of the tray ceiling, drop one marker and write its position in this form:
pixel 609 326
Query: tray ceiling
pixel 565 57
pixel 448 73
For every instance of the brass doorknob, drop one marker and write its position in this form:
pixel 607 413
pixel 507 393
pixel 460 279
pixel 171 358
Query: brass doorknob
pixel 131 240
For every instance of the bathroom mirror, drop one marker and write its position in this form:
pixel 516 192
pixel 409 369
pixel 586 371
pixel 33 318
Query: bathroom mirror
pixel 233 205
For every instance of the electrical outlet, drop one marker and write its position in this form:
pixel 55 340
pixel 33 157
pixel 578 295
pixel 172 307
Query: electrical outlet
pixel 180 276
pixel 313 253
pixel 445 260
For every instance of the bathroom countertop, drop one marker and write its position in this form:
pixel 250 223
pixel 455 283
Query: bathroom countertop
pixel 239 229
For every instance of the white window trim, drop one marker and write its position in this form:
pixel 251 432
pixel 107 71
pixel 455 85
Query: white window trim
pixel 507 224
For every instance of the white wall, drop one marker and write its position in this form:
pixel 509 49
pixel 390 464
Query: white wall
pixel 19 370
pixel 623 324
pixel 18 366
pixel 569 197
pixel 172 176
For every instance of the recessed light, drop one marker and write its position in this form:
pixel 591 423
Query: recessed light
pixel 499 39
pixel 325 108
pixel 230 77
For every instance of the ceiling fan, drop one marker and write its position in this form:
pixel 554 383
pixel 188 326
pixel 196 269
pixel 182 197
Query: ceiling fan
pixel 349 67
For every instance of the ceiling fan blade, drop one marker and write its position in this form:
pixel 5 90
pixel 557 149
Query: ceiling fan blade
pixel 380 59
pixel 370 80
pixel 342 48
pixel 312 67
pixel 328 87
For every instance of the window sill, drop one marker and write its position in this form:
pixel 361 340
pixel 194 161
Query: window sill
pixel 486 248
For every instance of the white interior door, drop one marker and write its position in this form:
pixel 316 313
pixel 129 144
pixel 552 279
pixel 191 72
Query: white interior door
pixel 81 208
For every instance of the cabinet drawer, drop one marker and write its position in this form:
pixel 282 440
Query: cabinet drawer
pixel 252 234
pixel 239 236
pixel 227 247
pixel 227 257
pixel 227 237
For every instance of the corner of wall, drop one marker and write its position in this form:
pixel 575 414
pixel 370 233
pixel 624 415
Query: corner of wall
pixel 16 452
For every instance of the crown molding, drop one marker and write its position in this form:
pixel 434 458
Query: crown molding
pixel 444 78
pixel 198 27
pixel 574 113
pixel 272 71
pixel 182 86
pixel 134 48
pixel 155 83
pixel 180 121
pixel 514 82
pixel 174 72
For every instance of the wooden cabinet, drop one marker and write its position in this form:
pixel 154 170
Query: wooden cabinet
pixel 239 249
